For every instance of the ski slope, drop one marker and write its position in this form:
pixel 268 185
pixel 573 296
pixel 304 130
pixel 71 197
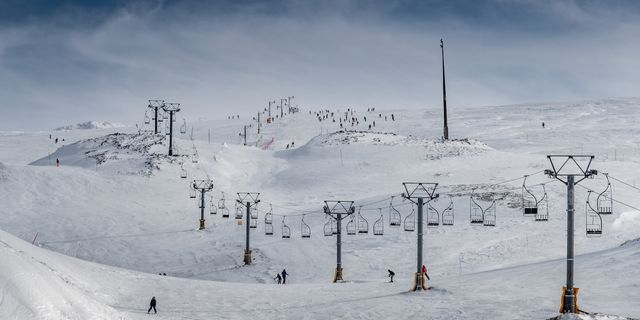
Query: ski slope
pixel 118 201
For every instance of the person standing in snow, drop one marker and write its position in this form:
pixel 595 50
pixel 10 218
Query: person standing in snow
pixel 424 271
pixel 391 274
pixel 278 278
pixel 284 276
pixel 57 162
pixel 152 305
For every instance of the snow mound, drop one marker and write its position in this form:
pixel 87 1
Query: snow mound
pixel 90 125
pixel 435 148
pixel 120 153
pixel 33 289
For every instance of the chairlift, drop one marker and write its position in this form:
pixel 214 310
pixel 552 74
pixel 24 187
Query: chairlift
pixel 268 222
pixel 378 226
pixel 147 120
pixel 238 211
pixel 605 198
pixel 194 157
pixel 213 209
pixel 351 226
pixel 286 231
pixel 529 200
pixel 410 222
pixel 183 127
pixel 330 227
pixel 543 206
pixel 253 223
pixel 433 216
pixel 221 203
pixel 192 191
pixel 183 172
pixel 479 215
pixel 593 219
pixel 165 115
pixel 363 224
pixel 448 214
pixel 254 211
pixel 394 215
pixel 305 230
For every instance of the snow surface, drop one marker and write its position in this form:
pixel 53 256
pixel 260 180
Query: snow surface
pixel 118 201
pixel 90 125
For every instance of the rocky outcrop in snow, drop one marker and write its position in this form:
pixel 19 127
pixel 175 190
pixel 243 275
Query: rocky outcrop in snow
pixel 90 125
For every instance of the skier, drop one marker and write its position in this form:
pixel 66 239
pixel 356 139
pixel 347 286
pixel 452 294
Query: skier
pixel 278 278
pixel 292 144
pixel 424 271
pixel 393 118
pixel 284 276
pixel 391 274
pixel 543 125
pixel 56 140
pixel 57 162
pixel 152 305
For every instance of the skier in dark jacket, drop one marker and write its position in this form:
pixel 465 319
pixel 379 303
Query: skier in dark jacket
pixel 391 274
pixel 284 276
pixel 278 278
pixel 152 305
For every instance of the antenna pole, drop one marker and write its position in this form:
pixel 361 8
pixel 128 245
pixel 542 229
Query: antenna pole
pixel 444 94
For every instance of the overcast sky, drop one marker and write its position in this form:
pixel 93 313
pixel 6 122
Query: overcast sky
pixel 62 62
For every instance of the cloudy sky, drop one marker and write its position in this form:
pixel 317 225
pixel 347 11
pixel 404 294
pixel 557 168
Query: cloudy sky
pixel 67 61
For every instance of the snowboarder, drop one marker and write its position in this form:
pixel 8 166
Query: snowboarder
pixel 391 274
pixel 424 271
pixel 284 276
pixel 278 278
pixel 152 305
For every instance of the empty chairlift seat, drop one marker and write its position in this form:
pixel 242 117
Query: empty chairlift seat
pixel 378 226
pixel 363 224
pixel 410 222
pixel 213 209
pixel 395 218
pixel 593 219
pixel 351 226
pixel 329 227
pixel 605 198
pixel 286 231
pixel 305 230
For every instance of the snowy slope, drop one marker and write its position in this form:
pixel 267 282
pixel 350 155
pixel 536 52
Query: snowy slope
pixel 146 222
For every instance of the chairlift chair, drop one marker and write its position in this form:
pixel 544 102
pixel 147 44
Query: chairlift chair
pixel 378 226
pixel 363 224
pixel 489 216
pixel 286 231
pixel 475 211
pixel 328 228
pixel 410 222
pixel 268 223
pixel 605 198
pixel 183 172
pixel 183 127
pixel 238 211
pixel 394 215
pixel 254 211
pixel 192 192
pixel 305 230
pixel 448 214
pixel 543 206
pixel 351 226
pixel 593 219
pixel 253 223
pixel 213 209
pixel 221 203
pixel 433 216
pixel 147 120
pixel 529 200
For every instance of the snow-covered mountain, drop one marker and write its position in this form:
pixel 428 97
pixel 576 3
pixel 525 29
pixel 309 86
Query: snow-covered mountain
pixel 89 125
pixel 138 225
